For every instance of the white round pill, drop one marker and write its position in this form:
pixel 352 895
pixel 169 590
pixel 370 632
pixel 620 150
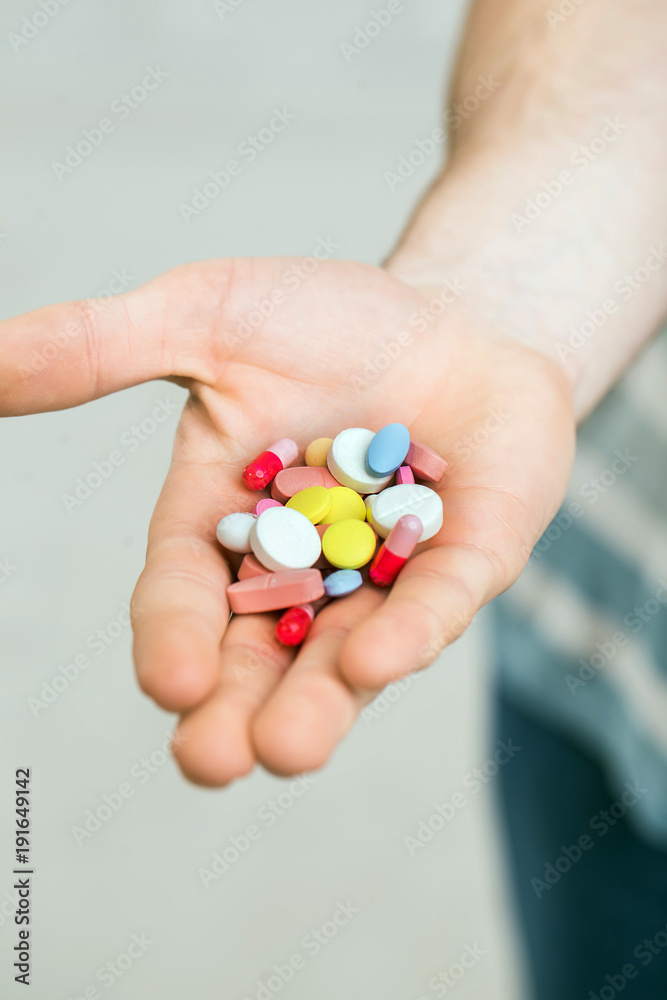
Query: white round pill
pixel 346 459
pixel 283 538
pixel 407 498
pixel 233 531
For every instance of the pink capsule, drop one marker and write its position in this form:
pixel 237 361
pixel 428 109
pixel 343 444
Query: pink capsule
pixel 262 470
pixel 292 628
pixel 395 551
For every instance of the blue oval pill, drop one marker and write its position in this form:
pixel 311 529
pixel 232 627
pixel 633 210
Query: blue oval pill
pixel 388 449
pixel 342 582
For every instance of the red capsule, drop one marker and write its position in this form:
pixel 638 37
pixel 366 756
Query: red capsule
pixel 262 470
pixel 395 551
pixel 292 628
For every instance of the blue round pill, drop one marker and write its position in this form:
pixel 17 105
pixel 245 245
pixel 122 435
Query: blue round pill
pixel 342 582
pixel 388 449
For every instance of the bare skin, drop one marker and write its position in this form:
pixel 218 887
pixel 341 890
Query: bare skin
pixel 482 384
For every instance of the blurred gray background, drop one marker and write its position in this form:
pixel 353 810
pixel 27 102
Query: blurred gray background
pixel 225 67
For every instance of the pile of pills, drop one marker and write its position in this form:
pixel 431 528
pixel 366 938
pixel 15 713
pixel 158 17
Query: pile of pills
pixel 308 541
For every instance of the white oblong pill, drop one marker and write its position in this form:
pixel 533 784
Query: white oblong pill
pixel 408 498
pixel 346 459
pixel 284 539
pixel 233 531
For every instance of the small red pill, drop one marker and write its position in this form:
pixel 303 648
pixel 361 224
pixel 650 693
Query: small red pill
pixel 292 628
pixel 395 551
pixel 262 470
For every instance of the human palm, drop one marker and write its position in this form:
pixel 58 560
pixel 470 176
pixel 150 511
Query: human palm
pixel 332 354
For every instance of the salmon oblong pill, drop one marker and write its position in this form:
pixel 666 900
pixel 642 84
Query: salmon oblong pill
pixel 388 449
pixel 274 591
pixel 393 503
pixel 251 567
pixel 300 477
pixel 424 462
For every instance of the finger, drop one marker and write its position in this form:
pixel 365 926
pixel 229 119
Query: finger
pixel 212 743
pixel 313 707
pixel 179 607
pixel 432 602
pixel 70 353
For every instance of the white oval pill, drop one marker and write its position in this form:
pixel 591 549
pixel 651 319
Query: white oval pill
pixel 284 539
pixel 409 498
pixel 233 531
pixel 346 459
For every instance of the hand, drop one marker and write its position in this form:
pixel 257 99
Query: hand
pixel 500 413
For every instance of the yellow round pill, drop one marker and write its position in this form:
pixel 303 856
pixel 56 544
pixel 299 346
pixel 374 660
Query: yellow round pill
pixel 313 502
pixel 348 544
pixel 316 452
pixel 345 504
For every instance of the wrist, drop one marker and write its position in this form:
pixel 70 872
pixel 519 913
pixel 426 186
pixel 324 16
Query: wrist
pixel 550 248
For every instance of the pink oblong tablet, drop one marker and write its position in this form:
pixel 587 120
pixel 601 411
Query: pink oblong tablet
pixel 264 504
pixel 274 591
pixel 300 477
pixel 424 462
pixel 403 475
pixel 251 567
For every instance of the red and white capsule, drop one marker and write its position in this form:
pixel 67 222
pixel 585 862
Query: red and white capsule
pixel 395 551
pixel 292 628
pixel 262 470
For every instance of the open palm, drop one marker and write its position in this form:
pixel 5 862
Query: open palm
pixel 339 348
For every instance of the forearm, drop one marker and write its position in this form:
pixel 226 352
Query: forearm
pixel 553 195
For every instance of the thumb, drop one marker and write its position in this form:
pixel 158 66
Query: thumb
pixel 67 354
